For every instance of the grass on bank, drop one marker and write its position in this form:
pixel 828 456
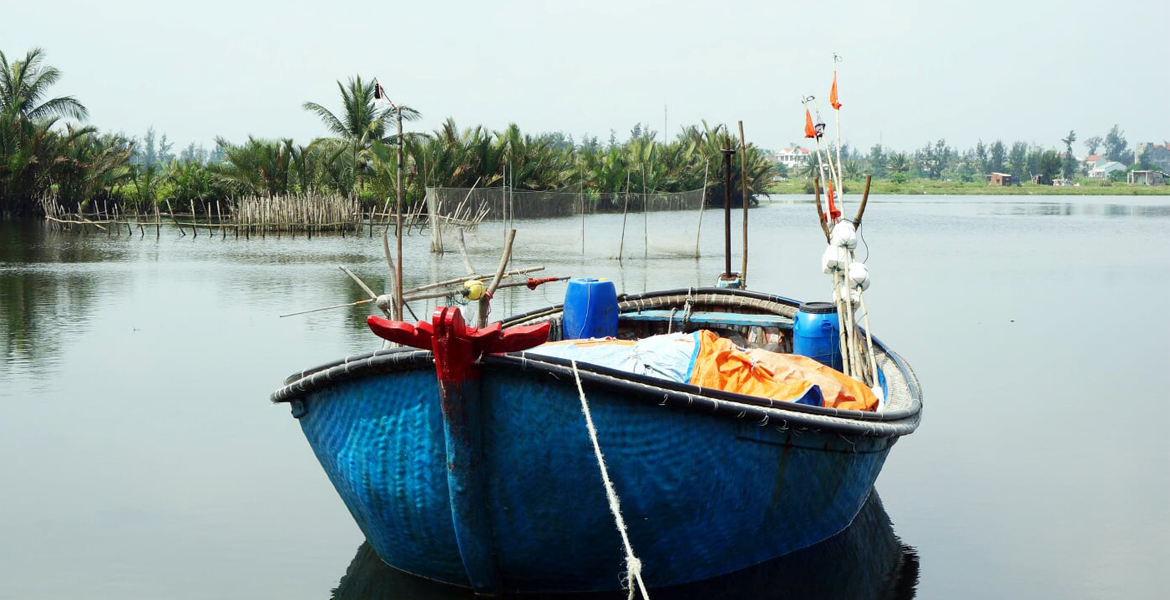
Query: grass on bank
pixel 932 187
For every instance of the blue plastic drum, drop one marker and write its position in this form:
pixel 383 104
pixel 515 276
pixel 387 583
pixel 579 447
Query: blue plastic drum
pixel 815 333
pixel 591 309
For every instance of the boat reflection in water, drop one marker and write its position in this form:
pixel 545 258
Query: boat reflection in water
pixel 865 561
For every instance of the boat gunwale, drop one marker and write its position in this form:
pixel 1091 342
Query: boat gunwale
pixel 890 423
pixel 646 389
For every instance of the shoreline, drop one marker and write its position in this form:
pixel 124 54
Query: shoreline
pixel 955 188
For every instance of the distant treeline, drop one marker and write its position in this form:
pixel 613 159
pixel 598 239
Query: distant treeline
pixel 940 161
pixel 45 151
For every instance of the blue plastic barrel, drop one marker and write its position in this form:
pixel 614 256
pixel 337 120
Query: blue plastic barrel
pixel 591 309
pixel 815 333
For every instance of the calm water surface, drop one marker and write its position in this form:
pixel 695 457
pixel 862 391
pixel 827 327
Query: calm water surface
pixel 140 457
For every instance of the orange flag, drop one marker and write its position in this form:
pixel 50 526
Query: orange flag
pixel 833 93
pixel 809 130
pixel 834 212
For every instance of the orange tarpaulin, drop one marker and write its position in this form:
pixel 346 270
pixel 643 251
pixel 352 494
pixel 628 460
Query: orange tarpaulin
pixel 721 365
pixel 704 359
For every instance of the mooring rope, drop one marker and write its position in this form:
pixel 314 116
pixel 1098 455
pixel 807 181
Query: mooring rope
pixel 633 565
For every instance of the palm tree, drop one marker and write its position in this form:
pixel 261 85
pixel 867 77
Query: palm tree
pixel 24 83
pixel 811 168
pixel 259 167
pixel 361 122
pixel 1069 162
pixel 30 150
pixel 897 165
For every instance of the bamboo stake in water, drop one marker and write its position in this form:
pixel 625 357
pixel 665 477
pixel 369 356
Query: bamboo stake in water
pixel 504 201
pixel 744 193
pixel 702 205
pixel 463 253
pixel 581 192
pixel 504 258
pixel 625 211
pixel 645 216
pixel 398 209
pixel 393 278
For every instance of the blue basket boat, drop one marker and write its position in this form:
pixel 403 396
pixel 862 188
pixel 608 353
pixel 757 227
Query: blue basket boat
pixel 487 478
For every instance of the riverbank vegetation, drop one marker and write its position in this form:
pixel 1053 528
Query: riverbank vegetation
pixel 49 156
pixel 929 187
pixel 46 153
pixel 940 169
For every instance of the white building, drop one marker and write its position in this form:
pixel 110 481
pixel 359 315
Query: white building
pixel 792 157
pixel 1104 168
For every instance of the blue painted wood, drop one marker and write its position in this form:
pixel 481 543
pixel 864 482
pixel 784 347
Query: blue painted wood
pixel 381 442
pixel 702 495
pixel 467 482
pixel 708 318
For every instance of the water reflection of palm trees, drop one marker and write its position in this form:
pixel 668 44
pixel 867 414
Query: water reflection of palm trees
pixel 40 296
pixel 865 561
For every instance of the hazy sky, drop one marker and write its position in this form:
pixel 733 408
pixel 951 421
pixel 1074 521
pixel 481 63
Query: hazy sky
pixel 912 71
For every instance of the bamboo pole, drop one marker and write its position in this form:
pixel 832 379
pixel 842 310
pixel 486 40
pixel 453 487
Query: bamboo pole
pixel 460 280
pixel 444 294
pixel 744 199
pixel 395 315
pixel 581 192
pixel 864 199
pixel 844 305
pixel 837 111
pixel 484 306
pixel 820 212
pixel 364 287
pixel 702 205
pixel 463 253
pixel 645 216
pixel 398 209
pixel 727 152
pixel 625 212
pixel 175 219
pixel 311 310
pixel 834 170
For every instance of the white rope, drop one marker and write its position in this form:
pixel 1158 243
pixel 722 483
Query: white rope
pixel 633 565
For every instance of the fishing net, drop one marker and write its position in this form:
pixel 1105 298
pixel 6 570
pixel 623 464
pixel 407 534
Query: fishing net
pixel 465 208
pixel 496 203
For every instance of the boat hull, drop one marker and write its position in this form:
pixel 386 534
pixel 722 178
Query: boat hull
pixel 706 487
